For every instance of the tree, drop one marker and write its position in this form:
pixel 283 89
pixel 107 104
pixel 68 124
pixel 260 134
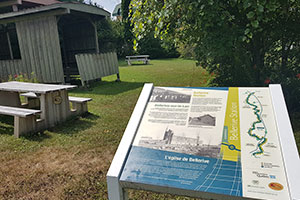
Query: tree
pixel 127 26
pixel 111 36
pixel 156 48
pixel 245 42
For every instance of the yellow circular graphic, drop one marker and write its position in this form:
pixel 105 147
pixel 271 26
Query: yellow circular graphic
pixel 276 186
pixel 57 100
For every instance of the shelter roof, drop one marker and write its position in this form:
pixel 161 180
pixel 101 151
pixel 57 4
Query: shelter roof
pixel 5 3
pixel 54 9
pixel 42 2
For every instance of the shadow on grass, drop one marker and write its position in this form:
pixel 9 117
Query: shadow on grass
pixel 7 119
pixel 75 125
pixel 109 87
pixel 135 64
pixel 70 127
pixel 37 137
pixel 6 125
pixel 6 130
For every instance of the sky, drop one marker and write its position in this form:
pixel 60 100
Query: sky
pixel 108 5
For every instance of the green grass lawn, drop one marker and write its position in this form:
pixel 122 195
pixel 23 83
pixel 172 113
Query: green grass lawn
pixel 71 160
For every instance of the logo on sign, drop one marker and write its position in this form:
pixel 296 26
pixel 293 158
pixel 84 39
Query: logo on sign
pixel 276 186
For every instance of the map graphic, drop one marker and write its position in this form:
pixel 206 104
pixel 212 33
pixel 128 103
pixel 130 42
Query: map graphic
pixel 225 178
pixel 258 129
pixel 231 147
pixel 261 158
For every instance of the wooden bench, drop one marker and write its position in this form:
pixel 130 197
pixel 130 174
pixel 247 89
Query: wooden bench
pixel 79 104
pixel 144 58
pixel 24 119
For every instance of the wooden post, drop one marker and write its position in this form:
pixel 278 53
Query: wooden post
pixel 96 37
pixel 15 8
pixel 128 61
pixel 55 107
pixel 44 108
pixel 9 45
pixel 24 125
pixel 79 108
pixel 118 78
pixel 65 61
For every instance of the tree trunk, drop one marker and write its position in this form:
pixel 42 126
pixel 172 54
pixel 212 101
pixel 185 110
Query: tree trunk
pixel 258 56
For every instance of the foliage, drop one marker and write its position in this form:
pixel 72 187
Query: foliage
pixel 23 77
pixel 116 35
pixel 111 36
pixel 128 37
pixel 186 51
pixel 157 48
pixel 245 42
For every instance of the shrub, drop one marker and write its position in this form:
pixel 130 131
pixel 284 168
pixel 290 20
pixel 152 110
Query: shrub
pixel 23 77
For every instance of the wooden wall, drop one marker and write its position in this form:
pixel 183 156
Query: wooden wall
pixel 40 48
pixel 40 51
pixel 95 66
pixel 9 67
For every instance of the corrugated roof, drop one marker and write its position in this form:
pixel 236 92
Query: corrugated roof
pixel 68 7
pixel 42 2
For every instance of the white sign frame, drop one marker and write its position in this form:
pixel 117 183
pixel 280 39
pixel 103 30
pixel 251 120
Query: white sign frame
pixel 116 189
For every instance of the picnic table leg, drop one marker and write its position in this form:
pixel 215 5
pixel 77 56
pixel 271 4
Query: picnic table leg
pixel 128 62
pixel 118 77
pixel 10 99
pixel 79 108
pixel 24 125
pixel 55 108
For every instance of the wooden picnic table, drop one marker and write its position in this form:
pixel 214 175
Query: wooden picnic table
pixel 54 102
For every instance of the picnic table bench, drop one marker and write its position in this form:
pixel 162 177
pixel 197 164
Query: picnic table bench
pixel 53 101
pixel 24 119
pixel 79 104
pixel 144 58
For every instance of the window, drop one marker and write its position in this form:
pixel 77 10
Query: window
pixel 9 45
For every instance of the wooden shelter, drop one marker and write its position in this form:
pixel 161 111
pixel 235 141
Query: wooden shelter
pixel 42 37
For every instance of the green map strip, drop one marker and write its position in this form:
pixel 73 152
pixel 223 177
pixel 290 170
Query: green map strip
pixel 251 132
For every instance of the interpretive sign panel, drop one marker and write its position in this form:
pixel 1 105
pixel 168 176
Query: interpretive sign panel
pixel 221 141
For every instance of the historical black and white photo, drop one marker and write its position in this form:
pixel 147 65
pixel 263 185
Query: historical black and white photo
pixel 203 120
pixel 167 95
pixel 191 142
